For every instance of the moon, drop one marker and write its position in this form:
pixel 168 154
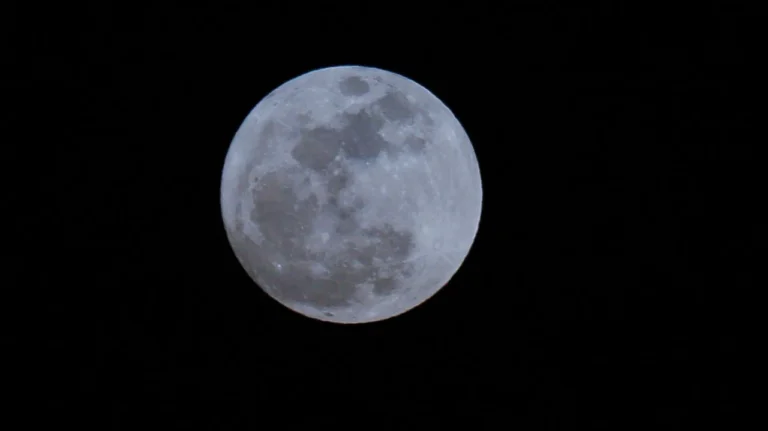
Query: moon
pixel 351 194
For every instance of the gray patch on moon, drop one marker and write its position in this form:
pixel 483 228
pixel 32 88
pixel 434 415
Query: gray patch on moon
pixel 359 136
pixel 385 286
pixel 338 181
pixel 415 143
pixel 281 217
pixel 395 106
pixel 353 86
pixel 317 148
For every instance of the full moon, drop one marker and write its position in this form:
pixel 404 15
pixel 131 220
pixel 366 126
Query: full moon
pixel 351 194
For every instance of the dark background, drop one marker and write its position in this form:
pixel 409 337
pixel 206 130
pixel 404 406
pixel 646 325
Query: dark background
pixel 607 288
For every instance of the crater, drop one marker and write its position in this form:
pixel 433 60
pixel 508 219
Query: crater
pixel 353 86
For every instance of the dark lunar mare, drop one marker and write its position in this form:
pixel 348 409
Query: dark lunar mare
pixel 353 86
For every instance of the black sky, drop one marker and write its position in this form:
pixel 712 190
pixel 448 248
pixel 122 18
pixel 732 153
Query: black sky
pixel 607 288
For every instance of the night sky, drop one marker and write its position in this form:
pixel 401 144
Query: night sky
pixel 608 287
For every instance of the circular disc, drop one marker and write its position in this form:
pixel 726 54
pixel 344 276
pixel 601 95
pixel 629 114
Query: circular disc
pixel 351 194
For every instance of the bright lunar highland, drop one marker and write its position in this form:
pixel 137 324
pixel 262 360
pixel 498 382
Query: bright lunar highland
pixel 351 194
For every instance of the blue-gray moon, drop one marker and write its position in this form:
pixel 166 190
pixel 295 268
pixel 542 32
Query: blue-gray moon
pixel 351 194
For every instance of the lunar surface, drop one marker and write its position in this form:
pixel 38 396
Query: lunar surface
pixel 351 194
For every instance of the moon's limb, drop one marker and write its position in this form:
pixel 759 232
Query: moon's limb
pixel 351 194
